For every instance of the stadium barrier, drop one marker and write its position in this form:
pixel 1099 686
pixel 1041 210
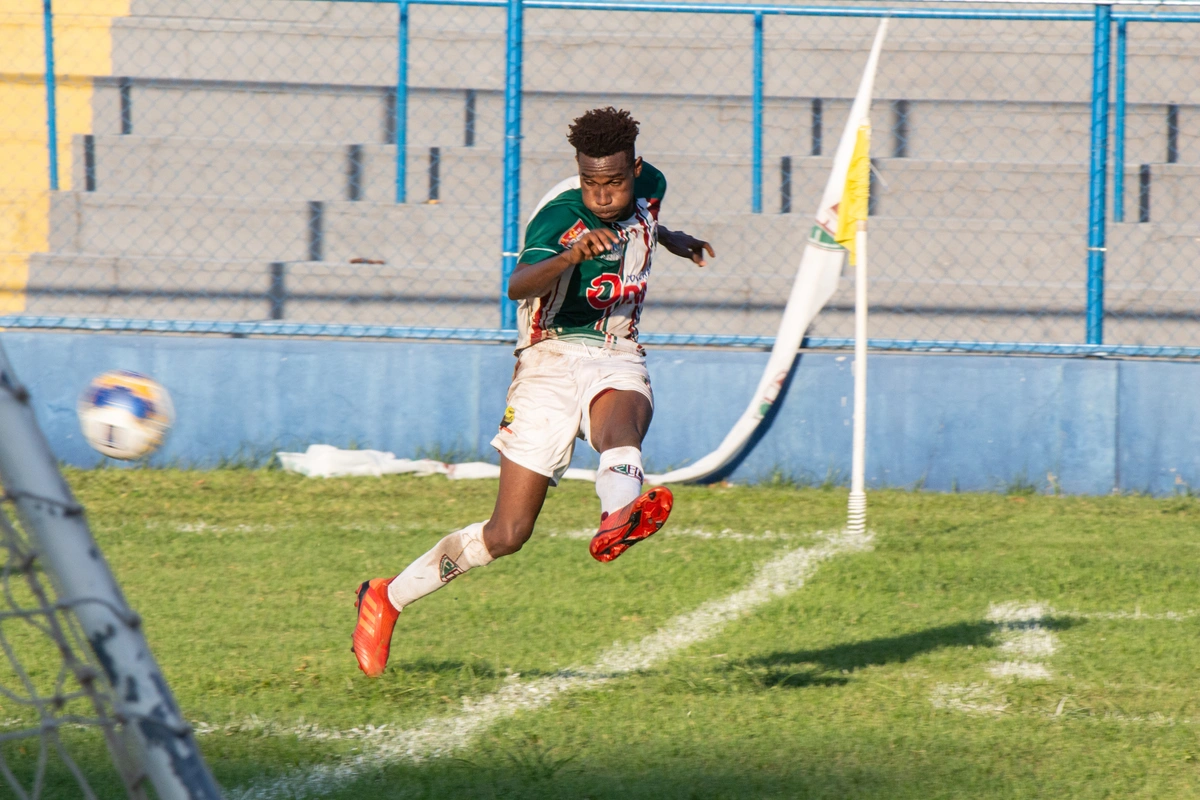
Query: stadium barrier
pixel 954 422
pixel 293 167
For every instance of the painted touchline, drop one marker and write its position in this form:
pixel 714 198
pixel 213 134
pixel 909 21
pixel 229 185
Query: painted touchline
pixel 441 736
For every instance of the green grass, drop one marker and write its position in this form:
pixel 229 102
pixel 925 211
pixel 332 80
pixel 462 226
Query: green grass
pixel 245 581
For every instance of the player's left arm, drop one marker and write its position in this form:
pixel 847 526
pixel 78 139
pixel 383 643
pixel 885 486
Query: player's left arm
pixel 651 185
pixel 685 246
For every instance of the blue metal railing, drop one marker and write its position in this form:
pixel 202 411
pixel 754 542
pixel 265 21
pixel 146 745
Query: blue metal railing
pixel 756 119
pixel 1119 129
pixel 1097 176
pixel 51 92
pixel 1102 16
pixel 512 158
pixel 1122 19
pixel 509 336
pixel 401 119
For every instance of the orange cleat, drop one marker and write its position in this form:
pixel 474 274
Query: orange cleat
pixel 623 529
pixel 373 633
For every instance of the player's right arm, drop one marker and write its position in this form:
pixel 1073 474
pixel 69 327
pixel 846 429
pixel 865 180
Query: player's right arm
pixel 537 279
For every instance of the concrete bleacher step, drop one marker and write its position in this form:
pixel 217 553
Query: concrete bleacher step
pixel 1172 192
pixel 473 176
pixel 927 259
pixel 1008 129
pixel 199 227
pixel 460 47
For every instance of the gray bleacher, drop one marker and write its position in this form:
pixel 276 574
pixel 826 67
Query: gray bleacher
pixel 240 168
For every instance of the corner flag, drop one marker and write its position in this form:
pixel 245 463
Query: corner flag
pixel 843 204
pixel 857 194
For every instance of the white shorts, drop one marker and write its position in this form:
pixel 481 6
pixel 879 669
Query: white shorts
pixel 549 401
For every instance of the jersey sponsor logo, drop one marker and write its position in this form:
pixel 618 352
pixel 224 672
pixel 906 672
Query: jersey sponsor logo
pixel 607 289
pixel 448 570
pixel 573 235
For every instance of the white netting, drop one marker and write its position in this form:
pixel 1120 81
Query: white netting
pixel 59 735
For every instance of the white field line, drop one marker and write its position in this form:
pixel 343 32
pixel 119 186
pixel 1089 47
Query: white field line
pixel 1021 636
pixel 202 527
pixel 441 736
pixel 1134 616
pixel 975 698
pixel 1024 670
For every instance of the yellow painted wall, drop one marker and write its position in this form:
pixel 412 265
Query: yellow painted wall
pixel 83 48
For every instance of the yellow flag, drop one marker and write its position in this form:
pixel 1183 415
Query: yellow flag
pixel 857 192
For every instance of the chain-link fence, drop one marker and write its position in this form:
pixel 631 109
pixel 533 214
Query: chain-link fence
pixel 338 168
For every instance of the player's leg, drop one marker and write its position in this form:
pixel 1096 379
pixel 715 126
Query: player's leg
pixel 618 421
pixel 518 503
pixel 380 601
pixel 535 440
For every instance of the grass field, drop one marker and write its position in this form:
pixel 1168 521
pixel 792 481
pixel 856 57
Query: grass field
pixel 983 646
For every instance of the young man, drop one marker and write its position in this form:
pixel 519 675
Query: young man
pixel 581 281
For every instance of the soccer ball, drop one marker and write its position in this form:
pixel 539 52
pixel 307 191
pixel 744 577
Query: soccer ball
pixel 125 415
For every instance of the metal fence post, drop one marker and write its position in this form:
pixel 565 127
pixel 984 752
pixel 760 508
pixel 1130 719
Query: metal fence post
pixel 401 122
pixel 756 114
pixel 1119 130
pixel 512 158
pixel 1096 210
pixel 51 92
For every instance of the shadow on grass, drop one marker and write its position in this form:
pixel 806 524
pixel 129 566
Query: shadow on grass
pixel 449 667
pixel 783 667
pixel 535 771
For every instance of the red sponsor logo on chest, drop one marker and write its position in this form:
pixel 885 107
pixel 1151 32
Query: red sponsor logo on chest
pixel 608 289
pixel 573 235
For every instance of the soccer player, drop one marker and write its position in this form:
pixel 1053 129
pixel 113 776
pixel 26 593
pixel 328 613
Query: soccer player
pixel 581 281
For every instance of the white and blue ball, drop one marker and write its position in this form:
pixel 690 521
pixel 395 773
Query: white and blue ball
pixel 125 415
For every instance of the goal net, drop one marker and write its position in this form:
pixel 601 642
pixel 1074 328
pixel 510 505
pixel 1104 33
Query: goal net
pixel 84 709
pixel 57 716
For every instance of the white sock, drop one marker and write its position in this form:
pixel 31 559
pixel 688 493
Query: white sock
pixel 445 561
pixel 619 478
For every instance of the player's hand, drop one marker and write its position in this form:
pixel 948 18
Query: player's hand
pixel 689 247
pixel 591 245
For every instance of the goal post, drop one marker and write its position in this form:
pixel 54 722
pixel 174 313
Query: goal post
pixel 156 743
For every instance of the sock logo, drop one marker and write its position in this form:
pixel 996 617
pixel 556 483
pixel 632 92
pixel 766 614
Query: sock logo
pixel 448 570
pixel 630 470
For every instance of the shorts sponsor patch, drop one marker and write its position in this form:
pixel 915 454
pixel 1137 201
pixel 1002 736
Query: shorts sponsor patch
pixel 573 235
pixel 448 570
pixel 509 416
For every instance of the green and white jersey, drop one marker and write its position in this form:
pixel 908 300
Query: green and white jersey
pixel 599 301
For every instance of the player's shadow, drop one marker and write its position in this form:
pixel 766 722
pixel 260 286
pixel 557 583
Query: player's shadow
pixel 799 668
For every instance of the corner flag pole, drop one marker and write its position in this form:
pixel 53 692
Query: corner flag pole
pixel 857 522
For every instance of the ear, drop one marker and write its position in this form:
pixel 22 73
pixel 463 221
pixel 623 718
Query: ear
pixel 637 167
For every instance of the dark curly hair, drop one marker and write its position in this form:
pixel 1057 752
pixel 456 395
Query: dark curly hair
pixel 604 132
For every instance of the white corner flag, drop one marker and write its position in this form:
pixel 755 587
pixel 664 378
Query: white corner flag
pixel 843 205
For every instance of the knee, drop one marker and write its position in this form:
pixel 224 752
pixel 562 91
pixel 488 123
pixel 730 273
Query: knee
pixel 503 538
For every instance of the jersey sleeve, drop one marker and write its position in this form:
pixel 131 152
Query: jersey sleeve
pixel 552 230
pixel 651 185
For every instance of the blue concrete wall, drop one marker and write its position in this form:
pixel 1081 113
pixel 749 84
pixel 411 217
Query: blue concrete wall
pixel 939 421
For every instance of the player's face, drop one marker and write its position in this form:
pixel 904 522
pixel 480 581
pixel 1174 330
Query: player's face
pixel 607 184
